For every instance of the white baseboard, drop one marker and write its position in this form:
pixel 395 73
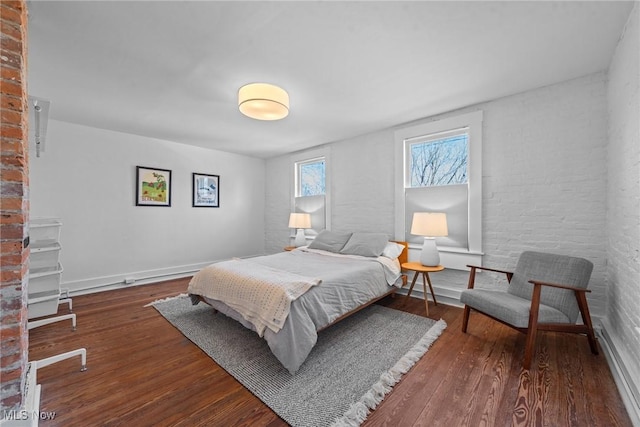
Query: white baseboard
pixel 447 296
pixel 124 280
pixel 110 286
pixel 628 386
pixel 118 281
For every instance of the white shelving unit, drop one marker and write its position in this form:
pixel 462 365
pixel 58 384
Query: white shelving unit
pixel 44 298
pixel 45 270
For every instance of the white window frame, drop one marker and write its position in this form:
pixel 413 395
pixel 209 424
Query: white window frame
pixel 427 139
pixel 297 176
pixel 450 257
pixel 308 156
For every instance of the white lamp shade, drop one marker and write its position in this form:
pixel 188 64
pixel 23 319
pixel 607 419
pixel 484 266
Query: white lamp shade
pixel 263 101
pixel 299 220
pixel 431 224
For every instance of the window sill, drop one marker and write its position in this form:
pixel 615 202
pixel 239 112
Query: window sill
pixel 453 258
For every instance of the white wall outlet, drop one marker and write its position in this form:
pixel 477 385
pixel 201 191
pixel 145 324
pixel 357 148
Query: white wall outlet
pixel 129 280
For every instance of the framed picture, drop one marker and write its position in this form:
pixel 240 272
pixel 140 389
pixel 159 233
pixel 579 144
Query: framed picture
pixel 206 190
pixel 153 186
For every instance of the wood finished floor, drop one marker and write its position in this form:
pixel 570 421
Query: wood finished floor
pixel 143 372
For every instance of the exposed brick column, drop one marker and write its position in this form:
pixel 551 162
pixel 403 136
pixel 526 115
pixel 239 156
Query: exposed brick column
pixel 14 203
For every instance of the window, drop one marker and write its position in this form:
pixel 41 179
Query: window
pixel 309 191
pixel 310 178
pixel 439 159
pixel 438 169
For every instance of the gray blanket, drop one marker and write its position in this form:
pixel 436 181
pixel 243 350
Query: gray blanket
pixel 347 283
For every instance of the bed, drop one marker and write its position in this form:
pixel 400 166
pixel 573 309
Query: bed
pixel 332 278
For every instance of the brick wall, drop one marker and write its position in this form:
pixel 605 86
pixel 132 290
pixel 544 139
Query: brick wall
pixel 14 338
pixel 544 176
pixel 623 198
pixel 544 181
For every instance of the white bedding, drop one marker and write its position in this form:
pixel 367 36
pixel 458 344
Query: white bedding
pixel 261 294
pixel 347 282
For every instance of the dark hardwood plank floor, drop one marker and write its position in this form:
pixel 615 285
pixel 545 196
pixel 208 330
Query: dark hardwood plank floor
pixel 143 372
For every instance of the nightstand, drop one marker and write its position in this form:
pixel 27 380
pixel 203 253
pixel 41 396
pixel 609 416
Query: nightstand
pixel 419 268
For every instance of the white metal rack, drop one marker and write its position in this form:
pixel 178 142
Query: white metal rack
pixel 45 270
pixel 44 297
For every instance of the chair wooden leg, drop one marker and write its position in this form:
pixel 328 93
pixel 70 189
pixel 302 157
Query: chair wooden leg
pixel 529 347
pixel 465 318
pixel 586 319
pixel 467 310
pixel 532 330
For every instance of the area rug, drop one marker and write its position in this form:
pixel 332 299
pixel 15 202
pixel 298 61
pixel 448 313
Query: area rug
pixel 348 373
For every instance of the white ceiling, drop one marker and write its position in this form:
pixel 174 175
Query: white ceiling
pixel 171 70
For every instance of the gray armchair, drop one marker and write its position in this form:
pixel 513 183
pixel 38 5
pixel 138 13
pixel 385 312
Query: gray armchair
pixel 546 292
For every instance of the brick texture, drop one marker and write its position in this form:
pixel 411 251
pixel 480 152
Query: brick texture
pixel 544 176
pixel 623 198
pixel 544 181
pixel 14 210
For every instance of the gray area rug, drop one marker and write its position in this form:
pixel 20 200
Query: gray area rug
pixel 353 366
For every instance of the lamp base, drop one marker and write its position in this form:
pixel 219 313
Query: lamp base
pixel 300 239
pixel 429 257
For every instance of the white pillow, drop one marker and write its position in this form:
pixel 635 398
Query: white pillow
pixel 392 250
pixel 329 241
pixel 365 244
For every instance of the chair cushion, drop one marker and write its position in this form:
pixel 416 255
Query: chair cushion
pixel 561 269
pixel 509 308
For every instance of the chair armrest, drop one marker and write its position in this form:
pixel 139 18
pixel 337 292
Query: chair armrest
pixel 474 268
pixel 558 285
pixel 495 270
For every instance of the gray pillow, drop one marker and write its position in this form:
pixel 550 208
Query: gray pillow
pixel 329 241
pixel 365 244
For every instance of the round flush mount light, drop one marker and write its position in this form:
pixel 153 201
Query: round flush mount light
pixel 263 101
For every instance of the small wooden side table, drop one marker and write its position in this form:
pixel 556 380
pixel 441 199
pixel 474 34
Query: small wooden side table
pixel 419 268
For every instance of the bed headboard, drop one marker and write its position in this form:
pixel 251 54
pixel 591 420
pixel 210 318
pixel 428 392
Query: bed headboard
pixel 404 256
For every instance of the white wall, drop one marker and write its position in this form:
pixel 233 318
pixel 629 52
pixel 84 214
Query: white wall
pixel 623 201
pixel 544 179
pixel 278 178
pixel 87 176
pixel 363 180
pixel 362 188
pixel 544 176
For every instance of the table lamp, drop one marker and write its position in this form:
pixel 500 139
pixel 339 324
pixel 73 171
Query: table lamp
pixel 300 221
pixel 430 225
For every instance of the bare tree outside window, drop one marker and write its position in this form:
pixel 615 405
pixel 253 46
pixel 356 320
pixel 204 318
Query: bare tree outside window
pixel 440 162
pixel 312 178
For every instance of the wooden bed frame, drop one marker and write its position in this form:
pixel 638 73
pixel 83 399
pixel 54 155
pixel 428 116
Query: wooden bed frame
pixel 404 256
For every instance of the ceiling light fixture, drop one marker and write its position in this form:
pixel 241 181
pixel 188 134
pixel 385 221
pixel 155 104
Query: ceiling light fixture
pixel 263 101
